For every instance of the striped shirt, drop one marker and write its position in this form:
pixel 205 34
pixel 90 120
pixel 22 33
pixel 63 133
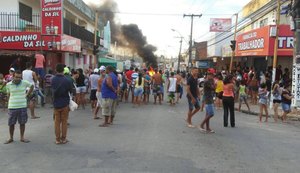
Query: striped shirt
pixel 17 94
pixel 134 76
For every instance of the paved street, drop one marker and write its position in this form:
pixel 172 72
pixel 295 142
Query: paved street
pixel 152 139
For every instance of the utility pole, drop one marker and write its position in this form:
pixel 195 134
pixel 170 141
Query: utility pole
pixel 179 55
pixel 276 41
pixel 275 47
pixel 191 36
pixel 234 42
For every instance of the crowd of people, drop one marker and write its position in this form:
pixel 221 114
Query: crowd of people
pixel 109 86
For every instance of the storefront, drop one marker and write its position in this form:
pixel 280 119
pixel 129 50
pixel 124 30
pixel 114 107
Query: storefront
pixel 256 48
pixel 16 44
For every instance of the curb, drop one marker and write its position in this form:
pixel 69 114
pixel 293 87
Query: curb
pixel 290 117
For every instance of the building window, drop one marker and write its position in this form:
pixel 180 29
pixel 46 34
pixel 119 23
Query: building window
pixel 25 12
pixel 263 22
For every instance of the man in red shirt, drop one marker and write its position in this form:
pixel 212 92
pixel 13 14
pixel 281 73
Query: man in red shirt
pixel 39 64
pixel 129 81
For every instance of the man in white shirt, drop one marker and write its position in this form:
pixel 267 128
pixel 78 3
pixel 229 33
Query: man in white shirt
pixel 172 88
pixel 31 77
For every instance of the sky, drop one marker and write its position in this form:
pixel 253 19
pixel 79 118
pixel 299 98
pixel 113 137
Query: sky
pixel 157 18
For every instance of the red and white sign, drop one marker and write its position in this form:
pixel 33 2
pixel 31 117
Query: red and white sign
pixel 10 40
pixel 259 43
pixel 220 25
pixel 51 17
pixel 70 44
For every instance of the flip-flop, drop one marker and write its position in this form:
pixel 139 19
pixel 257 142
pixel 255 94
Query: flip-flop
pixel 211 131
pixel 201 129
pixel 103 125
pixel 25 140
pixel 65 141
pixel 190 126
pixel 9 141
pixel 57 142
pixel 35 117
pixel 96 118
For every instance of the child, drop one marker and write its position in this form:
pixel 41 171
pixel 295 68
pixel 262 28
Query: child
pixel 263 99
pixel 243 95
pixel 209 89
pixel 172 89
pixel 286 98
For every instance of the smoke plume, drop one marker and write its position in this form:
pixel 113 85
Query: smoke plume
pixel 127 36
pixel 138 42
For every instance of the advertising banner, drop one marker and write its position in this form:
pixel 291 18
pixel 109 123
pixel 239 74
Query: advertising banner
pixel 51 17
pixel 220 25
pixel 31 41
pixel 70 44
pixel 258 42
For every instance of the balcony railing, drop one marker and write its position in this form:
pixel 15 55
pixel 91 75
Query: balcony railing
pixel 13 22
pixel 79 32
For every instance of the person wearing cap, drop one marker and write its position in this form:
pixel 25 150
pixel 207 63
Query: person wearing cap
pixel 32 78
pixel 93 84
pixel 9 76
pixel 98 93
pixel 109 90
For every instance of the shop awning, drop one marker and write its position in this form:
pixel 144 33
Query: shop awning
pixel 106 62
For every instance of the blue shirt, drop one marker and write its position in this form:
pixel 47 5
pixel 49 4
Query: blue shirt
pixel 61 87
pixel 108 92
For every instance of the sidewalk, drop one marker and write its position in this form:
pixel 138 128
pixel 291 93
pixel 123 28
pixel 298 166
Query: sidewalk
pixel 294 115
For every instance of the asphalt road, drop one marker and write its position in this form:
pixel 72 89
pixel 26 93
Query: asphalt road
pixel 152 138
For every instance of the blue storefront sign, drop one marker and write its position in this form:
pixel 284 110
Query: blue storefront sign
pixel 204 64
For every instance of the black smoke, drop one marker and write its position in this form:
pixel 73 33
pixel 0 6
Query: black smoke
pixel 127 36
pixel 138 42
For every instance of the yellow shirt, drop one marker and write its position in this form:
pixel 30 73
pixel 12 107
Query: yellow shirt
pixel 137 83
pixel 219 86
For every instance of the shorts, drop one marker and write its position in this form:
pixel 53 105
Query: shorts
pixel 130 88
pixel 147 90
pixel 99 99
pixel 162 88
pixel 80 89
pixel 156 89
pixel 286 107
pixel 40 72
pixel 109 106
pixel 276 101
pixel 210 109
pixel 191 105
pixel 263 101
pixel 178 88
pixel 138 91
pixel 243 97
pixel 219 95
pixel 171 95
pixel 93 95
pixel 32 97
pixel 19 115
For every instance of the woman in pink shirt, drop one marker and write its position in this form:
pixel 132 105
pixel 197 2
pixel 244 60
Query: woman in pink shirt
pixel 228 100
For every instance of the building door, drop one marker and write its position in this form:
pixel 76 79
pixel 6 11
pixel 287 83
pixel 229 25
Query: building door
pixel 260 65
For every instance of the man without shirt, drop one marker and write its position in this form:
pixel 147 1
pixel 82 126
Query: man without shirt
pixel 157 82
